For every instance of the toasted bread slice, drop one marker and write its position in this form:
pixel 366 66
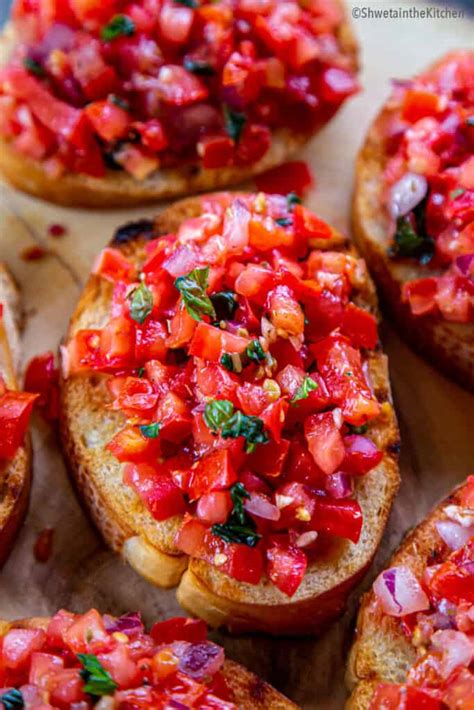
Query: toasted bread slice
pixel 250 692
pixel 381 652
pixel 119 189
pixel 15 475
pixel 148 545
pixel 449 346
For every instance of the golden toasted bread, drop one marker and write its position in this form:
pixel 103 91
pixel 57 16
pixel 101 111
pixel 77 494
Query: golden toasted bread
pixel 148 545
pixel 15 475
pixel 119 189
pixel 250 692
pixel 381 652
pixel 448 345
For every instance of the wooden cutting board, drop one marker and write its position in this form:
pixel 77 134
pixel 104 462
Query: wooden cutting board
pixel 436 417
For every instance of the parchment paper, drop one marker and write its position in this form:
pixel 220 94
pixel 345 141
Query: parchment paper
pixel 436 417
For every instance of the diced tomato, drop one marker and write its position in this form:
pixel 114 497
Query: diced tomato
pixel 214 507
pixel 273 418
pixel 15 412
pixel 361 455
pixel 41 378
pixel 360 326
pixel 216 151
pixel 179 629
pixel 290 177
pixel 153 134
pixel 269 459
pixel 182 328
pixel 212 473
pixel 243 563
pixel 87 633
pixel 57 627
pixel 212 380
pixel 150 341
pixel 285 312
pixel 178 87
pixel 42 667
pixel 255 282
pixel 453 580
pixel 286 354
pixel 120 665
pixel 308 225
pixel 190 537
pixel 117 343
pixel 253 399
pixel 254 143
pixel 286 567
pixel 175 22
pixel 340 517
pixel 210 343
pixel 18 645
pixel 418 103
pixel 340 365
pixel 110 122
pixel 174 417
pixel 336 84
pixel 157 490
pixel 455 298
pixel 112 265
pixel 325 442
pixel 265 235
pixel 389 696
pixel 131 445
pixel 301 465
pixel 420 294
pixel 66 688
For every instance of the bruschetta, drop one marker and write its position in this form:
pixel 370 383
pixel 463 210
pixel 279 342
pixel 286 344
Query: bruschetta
pixel 226 410
pixel 113 104
pixel 413 211
pixel 15 410
pixel 415 632
pixel 91 660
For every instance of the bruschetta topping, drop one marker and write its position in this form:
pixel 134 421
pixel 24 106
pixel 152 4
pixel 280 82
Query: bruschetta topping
pixel 157 83
pixel 81 661
pixel 436 610
pixel 430 186
pixel 238 357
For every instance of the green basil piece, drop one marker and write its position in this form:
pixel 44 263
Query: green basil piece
pixel 240 528
pixel 141 303
pixel 192 288
pixel 33 66
pixel 119 26
pixel 217 413
pixel 238 494
pixel 199 67
pixel 308 385
pixel 188 3
pixel 225 304
pixel 150 431
pixel 234 123
pixel 98 681
pixel 227 362
pixel 12 700
pixel 118 101
pixel 255 351
pixel 284 221
pixel 292 199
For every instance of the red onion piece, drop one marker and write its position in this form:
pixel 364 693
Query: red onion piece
pixel 306 538
pixel 457 649
pixel 260 506
pixel 199 660
pixel 453 534
pixel 181 262
pixel 339 485
pixel 465 265
pixel 129 624
pixel 407 193
pixel 399 592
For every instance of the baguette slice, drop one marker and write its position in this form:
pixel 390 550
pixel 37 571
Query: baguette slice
pixel 250 692
pixel 449 346
pixel 381 652
pixel 15 475
pixel 119 189
pixel 148 545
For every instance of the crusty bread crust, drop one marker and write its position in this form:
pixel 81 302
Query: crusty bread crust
pixel 250 691
pixel 119 189
pixel 381 652
pixel 86 426
pixel 449 346
pixel 15 475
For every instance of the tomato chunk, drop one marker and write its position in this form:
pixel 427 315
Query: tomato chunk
pixel 286 567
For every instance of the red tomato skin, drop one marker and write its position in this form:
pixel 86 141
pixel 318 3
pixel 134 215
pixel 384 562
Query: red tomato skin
pixel 216 151
pixel 117 343
pixel 41 378
pixel 286 567
pixel 174 417
pixel 15 412
pixel 212 379
pixel 182 328
pixel 190 537
pixel 214 507
pixel 87 634
pixel 158 491
pixel 210 343
pixel 420 295
pixel 269 459
pixel 17 646
pixel 325 442
pixel 112 265
pixel 150 341
pixel 179 629
pixel 110 121
pixel 337 517
pixel 213 472
pixel 360 326
pixel 129 445
pixel 308 225
pixel 402 697
pixel 361 455
pixel 244 563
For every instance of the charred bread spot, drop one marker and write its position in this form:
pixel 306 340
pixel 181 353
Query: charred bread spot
pixel 394 448
pixel 144 228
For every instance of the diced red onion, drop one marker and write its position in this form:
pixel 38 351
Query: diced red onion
pixel 453 534
pixel 199 660
pixel 339 485
pixel 465 264
pixel 259 505
pixel 457 649
pixel 407 193
pixel 129 624
pixel 399 592
pixel 306 538
pixel 181 261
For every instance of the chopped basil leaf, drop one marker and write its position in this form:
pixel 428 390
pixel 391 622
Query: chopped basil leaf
pixel 217 412
pixel 238 494
pixel 192 288
pixel 140 372
pixel 98 681
pixel 119 26
pixel 12 700
pixel 198 66
pixel 188 3
pixel 255 351
pixel 456 193
pixel 227 362
pixel 118 101
pixel 292 199
pixel 410 239
pixel 358 429
pixel 470 120
pixel 33 66
pixel 234 123
pixel 308 385
pixel 141 303
pixel 284 221
pixel 240 527
pixel 225 304
pixel 150 431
